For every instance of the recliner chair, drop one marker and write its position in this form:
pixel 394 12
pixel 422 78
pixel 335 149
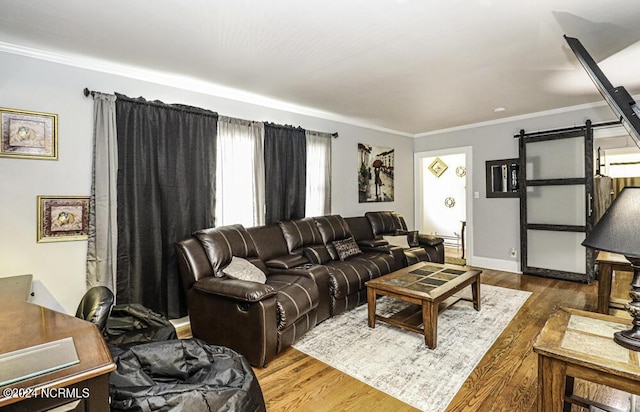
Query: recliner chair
pixel 95 306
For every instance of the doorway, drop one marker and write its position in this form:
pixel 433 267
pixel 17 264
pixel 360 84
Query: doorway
pixel 443 200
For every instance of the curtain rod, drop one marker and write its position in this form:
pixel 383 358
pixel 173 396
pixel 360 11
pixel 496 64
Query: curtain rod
pixel 88 92
pixel 334 134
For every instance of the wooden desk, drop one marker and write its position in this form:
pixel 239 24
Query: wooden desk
pixel 608 263
pixel 579 344
pixel 24 325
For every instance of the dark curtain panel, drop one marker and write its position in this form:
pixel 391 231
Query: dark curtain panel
pixel 166 188
pixel 285 163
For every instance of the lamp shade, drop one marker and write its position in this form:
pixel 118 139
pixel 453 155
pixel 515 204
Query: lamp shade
pixel 618 231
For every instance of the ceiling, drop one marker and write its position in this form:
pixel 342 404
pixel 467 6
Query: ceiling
pixel 411 66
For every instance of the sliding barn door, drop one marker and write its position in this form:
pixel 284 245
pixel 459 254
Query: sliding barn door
pixel 556 203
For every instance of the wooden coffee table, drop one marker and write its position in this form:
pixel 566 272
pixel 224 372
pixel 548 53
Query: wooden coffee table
pixel 431 286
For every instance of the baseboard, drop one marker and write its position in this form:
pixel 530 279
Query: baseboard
pixel 495 264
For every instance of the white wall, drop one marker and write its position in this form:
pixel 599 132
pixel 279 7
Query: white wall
pixel 496 220
pixel 37 85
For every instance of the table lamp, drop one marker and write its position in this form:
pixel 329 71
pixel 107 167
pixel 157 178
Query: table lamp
pixel 618 231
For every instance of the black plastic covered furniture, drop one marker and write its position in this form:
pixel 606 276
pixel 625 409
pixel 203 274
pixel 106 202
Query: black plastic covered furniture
pixel 95 306
pixel 183 375
pixel 131 324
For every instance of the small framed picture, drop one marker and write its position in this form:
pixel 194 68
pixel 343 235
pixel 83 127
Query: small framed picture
pixel 437 167
pixel 63 218
pixel 28 135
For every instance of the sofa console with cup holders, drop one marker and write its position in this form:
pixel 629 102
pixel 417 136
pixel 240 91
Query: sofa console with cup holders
pixel 257 290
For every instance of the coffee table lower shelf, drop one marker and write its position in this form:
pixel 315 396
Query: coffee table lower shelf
pixel 410 318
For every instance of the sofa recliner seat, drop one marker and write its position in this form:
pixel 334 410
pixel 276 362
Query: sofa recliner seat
pixel 349 276
pixel 314 238
pixel 312 269
pixel 257 320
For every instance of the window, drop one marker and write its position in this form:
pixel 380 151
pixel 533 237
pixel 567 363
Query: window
pixel 240 172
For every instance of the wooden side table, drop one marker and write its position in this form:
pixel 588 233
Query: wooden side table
pixel 608 263
pixel 579 344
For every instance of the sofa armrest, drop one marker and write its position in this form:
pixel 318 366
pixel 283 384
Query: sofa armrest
pixel 320 275
pixel 372 243
pixel 429 240
pixel 434 247
pixel 235 289
pixel 286 261
pixel 249 328
pixel 398 255
pixel 384 247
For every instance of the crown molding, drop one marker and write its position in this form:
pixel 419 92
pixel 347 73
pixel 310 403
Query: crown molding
pixel 200 86
pixel 185 83
pixel 514 118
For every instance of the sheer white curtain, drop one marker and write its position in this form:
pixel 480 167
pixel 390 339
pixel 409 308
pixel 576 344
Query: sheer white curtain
pixel 239 172
pixel 318 191
pixel 103 229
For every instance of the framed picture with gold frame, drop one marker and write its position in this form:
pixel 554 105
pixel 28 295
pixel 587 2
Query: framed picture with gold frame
pixel 438 167
pixel 28 135
pixel 63 218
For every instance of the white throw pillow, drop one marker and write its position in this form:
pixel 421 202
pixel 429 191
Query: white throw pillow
pixel 400 241
pixel 243 269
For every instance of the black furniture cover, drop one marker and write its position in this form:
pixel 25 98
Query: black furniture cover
pixel 183 375
pixel 133 323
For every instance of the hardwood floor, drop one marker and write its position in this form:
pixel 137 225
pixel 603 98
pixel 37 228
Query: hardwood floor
pixel 504 380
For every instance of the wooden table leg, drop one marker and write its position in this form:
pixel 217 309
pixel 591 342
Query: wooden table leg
pixel 551 384
pixel 475 292
pixel 371 306
pixel 604 287
pixel 430 323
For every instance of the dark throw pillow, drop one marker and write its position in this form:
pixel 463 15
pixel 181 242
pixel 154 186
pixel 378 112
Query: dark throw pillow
pixel 346 248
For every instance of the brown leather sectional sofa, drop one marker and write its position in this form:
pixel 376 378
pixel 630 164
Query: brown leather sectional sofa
pixel 313 272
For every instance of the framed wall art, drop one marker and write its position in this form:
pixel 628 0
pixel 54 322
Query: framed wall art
pixel 375 173
pixel 438 167
pixel 63 218
pixel 28 135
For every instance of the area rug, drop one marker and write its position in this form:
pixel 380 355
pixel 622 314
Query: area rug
pixel 398 363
